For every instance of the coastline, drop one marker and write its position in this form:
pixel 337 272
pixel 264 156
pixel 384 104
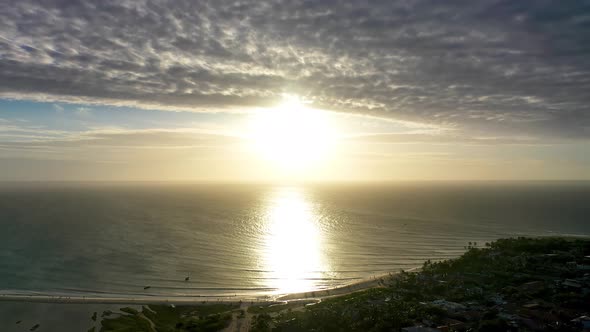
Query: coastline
pixel 77 299
pixel 79 306
pixel 503 279
pixel 364 284
pixel 373 282
pixel 258 299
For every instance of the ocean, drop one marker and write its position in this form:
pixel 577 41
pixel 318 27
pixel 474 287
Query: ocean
pixel 246 240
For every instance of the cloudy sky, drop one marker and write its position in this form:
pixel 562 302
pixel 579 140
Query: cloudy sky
pixel 164 90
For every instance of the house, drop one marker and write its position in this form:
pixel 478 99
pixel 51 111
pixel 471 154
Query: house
pixel 572 283
pixel 531 324
pixel 532 286
pixel 420 329
pixel 497 299
pixel 448 305
pixel 584 321
pixel 508 317
pixel 452 325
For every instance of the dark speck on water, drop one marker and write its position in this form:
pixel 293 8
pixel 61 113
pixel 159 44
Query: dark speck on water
pixel 364 230
pixel 36 326
pixel 18 321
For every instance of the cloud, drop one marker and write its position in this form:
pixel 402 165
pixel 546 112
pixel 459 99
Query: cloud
pixel 58 108
pixel 448 138
pixel 512 67
pixel 112 144
pixel 83 112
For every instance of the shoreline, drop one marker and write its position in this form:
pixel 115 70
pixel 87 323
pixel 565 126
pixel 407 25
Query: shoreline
pixel 361 285
pixel 372 282
pixel 192 300
pixel 467 299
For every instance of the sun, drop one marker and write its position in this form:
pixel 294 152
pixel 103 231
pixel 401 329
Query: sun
pixel 292 136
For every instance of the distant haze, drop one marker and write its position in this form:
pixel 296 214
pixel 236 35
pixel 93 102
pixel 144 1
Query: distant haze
pixel 294 91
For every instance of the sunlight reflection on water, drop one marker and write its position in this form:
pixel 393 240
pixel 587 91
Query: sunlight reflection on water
pixel 293 239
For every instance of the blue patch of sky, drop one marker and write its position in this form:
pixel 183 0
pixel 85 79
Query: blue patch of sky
pixel 79 117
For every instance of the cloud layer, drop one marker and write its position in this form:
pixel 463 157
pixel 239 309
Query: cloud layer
pixel 511 67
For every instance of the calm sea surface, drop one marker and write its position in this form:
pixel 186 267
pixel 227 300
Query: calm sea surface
pixel 249 240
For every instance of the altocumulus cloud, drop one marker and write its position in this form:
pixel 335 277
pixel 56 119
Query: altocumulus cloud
pixel 514 67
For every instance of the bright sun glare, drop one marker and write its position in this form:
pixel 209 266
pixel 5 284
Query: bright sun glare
pixel 292 135
pixel 293 254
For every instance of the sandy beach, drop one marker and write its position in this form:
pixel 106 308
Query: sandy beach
pixel 77 304
pixel 76 299
pixel 375 281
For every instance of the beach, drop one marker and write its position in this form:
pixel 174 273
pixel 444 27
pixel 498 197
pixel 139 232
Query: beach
pixel 37 308
pixel 493 280
pixel 12 296
pixel 251 241
pixel 78 309
pixel 113 247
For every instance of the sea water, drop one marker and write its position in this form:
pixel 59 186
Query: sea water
pixel 246 240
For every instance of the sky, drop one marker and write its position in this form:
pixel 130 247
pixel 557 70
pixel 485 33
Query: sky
pixel 407 90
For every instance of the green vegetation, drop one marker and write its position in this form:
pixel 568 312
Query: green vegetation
pixel 259 309
pixel 510 285
pixel 519 284
pixel 161 318
pixel 130 311
pixel 126 323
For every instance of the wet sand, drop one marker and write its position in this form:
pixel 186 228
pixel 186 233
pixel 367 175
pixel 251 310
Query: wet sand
pixel 71 313
pixel 372 282
pixel 376 281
